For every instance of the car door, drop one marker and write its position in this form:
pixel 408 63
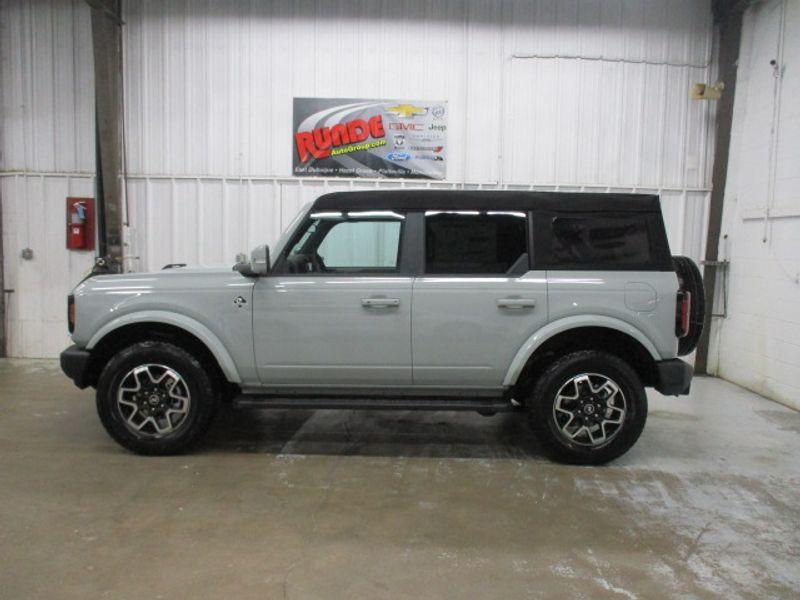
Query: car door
pixel 336 311
pixel 478 300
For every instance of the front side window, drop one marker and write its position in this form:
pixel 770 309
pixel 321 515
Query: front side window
pixel 476 242
pixel 337 242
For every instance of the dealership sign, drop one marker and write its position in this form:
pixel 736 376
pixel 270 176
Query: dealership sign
pixel 335 137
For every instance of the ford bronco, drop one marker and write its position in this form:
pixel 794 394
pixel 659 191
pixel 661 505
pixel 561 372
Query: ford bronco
pixel 562 306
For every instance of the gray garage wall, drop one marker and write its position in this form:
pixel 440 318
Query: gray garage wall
pixel 570 95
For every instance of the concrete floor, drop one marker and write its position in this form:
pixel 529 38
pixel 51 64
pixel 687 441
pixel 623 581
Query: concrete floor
pixel 340 504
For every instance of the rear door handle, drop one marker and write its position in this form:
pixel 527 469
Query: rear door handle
pixel 380 302
pixel 516 303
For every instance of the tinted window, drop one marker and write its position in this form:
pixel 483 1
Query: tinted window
pixel 622 240
pixel 475 242
pixel 337 242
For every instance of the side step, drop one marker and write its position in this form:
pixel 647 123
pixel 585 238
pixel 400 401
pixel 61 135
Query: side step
pixel 475 404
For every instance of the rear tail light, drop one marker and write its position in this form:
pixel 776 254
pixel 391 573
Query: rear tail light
pixel 71 313
pixel 683 310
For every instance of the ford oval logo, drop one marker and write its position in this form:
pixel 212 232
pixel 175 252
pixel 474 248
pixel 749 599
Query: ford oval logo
pixel 398 156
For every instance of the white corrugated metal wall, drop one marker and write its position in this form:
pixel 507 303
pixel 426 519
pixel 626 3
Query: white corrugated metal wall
pixel 756 344
pixel 46 154
pixel 209 88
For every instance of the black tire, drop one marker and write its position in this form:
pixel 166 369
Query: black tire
pixel 691 281
pixel 201 394
pixel 560 373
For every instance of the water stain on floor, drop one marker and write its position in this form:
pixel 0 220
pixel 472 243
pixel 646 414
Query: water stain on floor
pixel 346 504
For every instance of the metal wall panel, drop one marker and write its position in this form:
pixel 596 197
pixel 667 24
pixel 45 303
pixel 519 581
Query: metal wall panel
pixel 209 220
pixel 46 86
pixel 603 123
pixel 756 344
pixel 210 85
pixel 208 101
pixel 532 105
pixel 33 217
pixel 46 154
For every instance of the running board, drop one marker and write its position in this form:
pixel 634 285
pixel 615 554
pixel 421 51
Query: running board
pixel 475 404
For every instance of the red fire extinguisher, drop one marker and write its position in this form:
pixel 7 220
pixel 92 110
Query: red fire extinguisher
pixel 80 223
pixel 77 225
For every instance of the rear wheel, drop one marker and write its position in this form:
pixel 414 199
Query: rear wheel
pixel 691 281
pixel 155 398
pixel 588 407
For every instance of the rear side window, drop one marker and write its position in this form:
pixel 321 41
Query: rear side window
pixel 476 242
pixel 622 242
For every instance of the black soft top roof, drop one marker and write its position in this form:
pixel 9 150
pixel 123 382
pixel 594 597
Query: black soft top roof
pixel 486 200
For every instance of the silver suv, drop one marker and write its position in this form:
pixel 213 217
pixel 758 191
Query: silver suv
pixel 562 306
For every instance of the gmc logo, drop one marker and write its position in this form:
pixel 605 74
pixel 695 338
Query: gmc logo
pixel 406 126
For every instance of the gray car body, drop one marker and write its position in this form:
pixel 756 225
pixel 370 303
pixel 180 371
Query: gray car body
pixel 448 333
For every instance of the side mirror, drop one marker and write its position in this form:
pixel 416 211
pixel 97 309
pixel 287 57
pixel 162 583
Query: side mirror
pixel 257 266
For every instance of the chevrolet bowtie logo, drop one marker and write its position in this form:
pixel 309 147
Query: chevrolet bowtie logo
pixel 404 111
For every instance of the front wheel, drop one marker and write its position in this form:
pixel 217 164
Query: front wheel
pixel 588 407
pixel 155 398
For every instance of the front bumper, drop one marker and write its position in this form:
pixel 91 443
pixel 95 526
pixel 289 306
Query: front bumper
pixel 673 377
pixel 75 364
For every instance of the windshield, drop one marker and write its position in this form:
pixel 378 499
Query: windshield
pixel 288 231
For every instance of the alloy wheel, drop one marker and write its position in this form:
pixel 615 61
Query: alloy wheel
pixel 589 409
pixel 153 400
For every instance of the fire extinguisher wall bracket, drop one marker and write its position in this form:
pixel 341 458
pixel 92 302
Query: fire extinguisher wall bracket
pixel 80 224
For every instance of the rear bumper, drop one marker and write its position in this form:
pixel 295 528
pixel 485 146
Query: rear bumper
pixel 673 377
pixel 75 364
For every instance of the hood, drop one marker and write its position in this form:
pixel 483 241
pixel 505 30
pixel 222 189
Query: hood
pixel 197 270
pixel 178 278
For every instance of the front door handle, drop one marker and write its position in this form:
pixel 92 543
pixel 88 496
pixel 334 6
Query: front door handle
pixel 516 303
pixel 380 302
